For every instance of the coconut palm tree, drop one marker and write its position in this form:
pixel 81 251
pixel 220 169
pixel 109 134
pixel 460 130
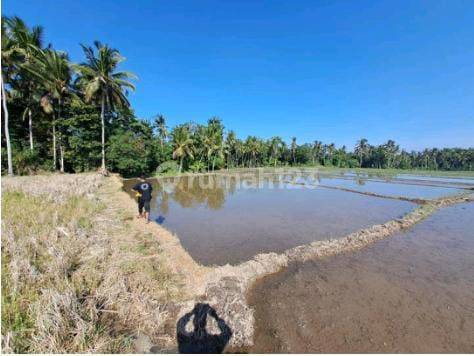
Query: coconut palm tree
pixel 160 125
pixel 9 57
pixel 391 150
pixel 293 150
pixel 361 149
pixel 27 42
pixel 213 140
pixel 276 145
pixel 230 148
pixel 252 147
pixel 101 83
pixel 51 68
pixel 331 149
pixel 316 151
pixel 182 144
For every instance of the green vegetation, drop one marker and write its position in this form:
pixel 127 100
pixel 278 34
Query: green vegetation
pixel 76 117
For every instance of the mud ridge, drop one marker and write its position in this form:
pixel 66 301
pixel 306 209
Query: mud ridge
pixel 370 194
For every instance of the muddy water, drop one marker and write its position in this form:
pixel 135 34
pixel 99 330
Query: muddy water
pixel 413 292
pixel 221 221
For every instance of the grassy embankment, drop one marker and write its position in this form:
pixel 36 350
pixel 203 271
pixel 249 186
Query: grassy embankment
pixel 76 277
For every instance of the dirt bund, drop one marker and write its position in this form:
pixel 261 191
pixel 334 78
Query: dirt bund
pixel 225 288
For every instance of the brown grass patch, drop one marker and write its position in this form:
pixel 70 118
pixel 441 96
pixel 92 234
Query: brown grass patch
pixel 75 276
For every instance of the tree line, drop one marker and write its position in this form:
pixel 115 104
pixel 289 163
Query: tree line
pixel 75 117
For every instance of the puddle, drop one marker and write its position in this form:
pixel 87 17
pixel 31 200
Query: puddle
pixel 413 292
pixel 220 220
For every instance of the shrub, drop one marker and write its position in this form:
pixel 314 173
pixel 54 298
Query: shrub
pixel 26 162
pixel 168 167
pixel 197 167
pixel 127 154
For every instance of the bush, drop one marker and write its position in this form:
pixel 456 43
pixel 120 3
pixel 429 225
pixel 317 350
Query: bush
pixel 197 167
pixel 25 162
pixel 168 167
pixel 127 154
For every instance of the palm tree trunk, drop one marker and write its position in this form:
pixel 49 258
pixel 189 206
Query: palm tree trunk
pixel 61 148
pixel 180 164
pixel 54 143
pixel 30 127
pixel 102 119
pixel 7 132
pixel 61 155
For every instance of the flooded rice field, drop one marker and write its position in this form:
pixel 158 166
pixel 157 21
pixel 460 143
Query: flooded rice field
pixel 227 219
pixel 460 181
pixel 413 292
pixel 392 188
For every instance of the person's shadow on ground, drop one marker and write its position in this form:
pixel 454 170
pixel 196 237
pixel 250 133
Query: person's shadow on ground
pixel 160 219
pixel 199 340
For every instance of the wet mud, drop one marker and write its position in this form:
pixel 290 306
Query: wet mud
pixel 413 292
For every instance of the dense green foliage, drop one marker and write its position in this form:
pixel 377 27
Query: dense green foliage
pixel 76 117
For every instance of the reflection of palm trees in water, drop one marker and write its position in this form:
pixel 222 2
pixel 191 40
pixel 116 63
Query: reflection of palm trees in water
pixel 210 191
pixel 164 202
pixel 199 340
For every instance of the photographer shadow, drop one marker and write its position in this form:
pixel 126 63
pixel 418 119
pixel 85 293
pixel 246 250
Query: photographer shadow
pixel 199 340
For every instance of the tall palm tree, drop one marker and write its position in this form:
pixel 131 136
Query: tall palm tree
pixel 27 43
pixel 9 57
pixel 160 125
pixel 293 149
pixel 182 144
pixel 252 147
pixel 230 148
pixel 316 151
pixel 361 149
pixel 51 68
pixel 390 149
pixel 276 145
pixel 214 139
pixel 330 152
pixel 101 82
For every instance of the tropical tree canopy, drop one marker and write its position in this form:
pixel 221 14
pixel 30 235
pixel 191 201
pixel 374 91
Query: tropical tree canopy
pixel 72 116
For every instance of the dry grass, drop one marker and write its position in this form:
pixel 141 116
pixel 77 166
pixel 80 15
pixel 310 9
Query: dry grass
pixel 75 276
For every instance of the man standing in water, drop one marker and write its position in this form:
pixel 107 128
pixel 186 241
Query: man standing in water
pixel 143 189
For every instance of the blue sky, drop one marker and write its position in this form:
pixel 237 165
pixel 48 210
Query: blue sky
pixel 333 71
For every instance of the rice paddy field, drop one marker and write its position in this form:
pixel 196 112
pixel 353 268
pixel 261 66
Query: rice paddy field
pixel 414 283
pixel 239 261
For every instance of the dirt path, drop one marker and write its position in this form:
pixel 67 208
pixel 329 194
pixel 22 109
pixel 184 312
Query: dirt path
pixel 177 259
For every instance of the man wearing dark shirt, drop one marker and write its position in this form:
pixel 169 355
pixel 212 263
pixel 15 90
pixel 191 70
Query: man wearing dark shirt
pixel 143 189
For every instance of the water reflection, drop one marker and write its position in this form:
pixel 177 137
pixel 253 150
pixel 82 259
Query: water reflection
pixel 228 218
pixel 188 192
pixel 212 190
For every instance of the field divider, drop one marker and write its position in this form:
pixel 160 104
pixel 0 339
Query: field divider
pixel 412 200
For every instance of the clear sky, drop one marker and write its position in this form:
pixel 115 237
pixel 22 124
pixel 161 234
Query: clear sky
pixel 333 71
